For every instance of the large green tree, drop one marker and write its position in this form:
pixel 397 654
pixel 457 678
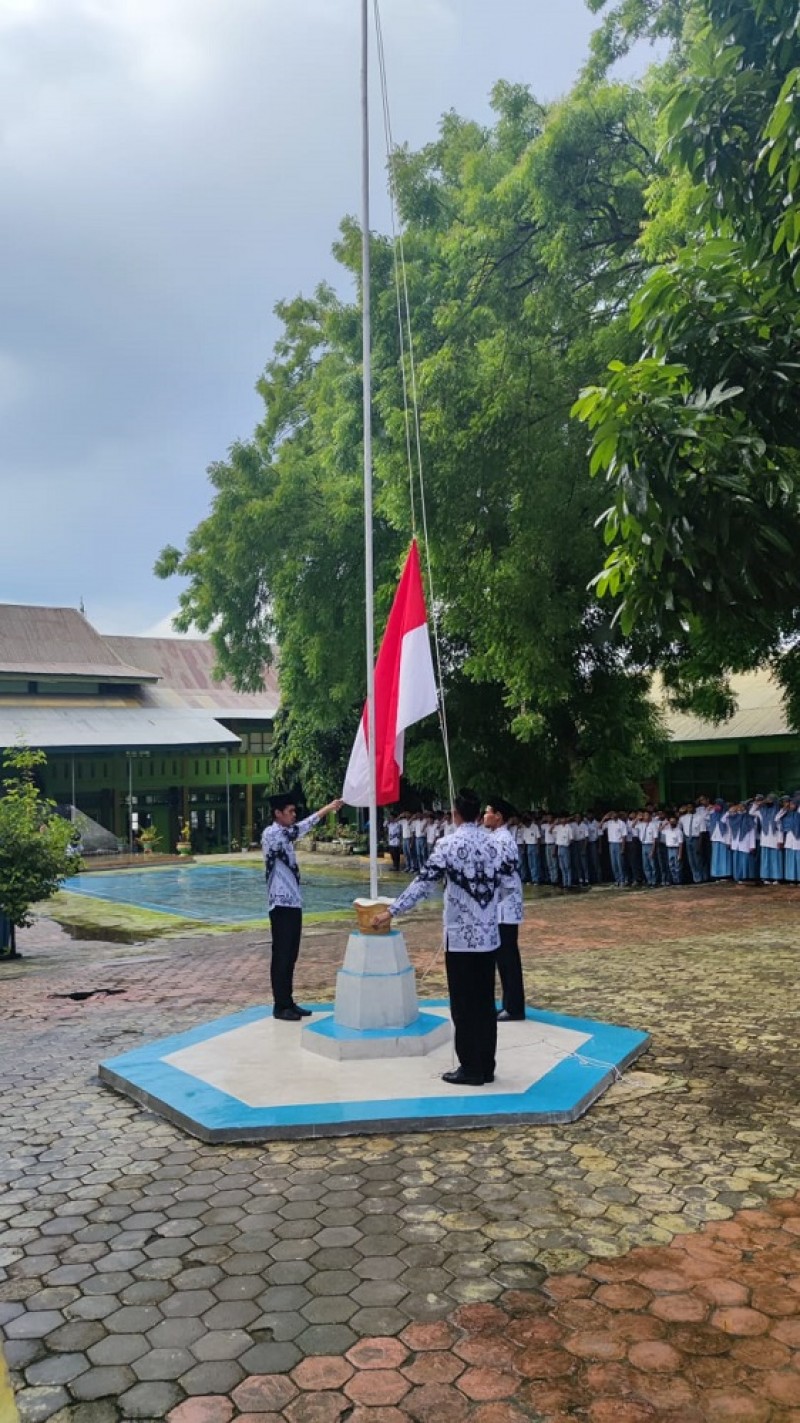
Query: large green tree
pixel 698 439
pixel 521 248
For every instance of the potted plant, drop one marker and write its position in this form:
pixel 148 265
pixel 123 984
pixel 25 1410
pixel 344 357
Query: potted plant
pixel 184 845
pixel 149 838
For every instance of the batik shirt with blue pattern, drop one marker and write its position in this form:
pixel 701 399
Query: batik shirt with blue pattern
pixel 509 904
pixel 280 860
pixel 474 868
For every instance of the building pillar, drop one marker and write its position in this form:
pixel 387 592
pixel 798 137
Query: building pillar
pixel 248 814
pixel 744 790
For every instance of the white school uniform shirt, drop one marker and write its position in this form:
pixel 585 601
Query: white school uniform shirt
pixel 280 862
pixel 431 832
pixel 418 827
pixel 394 833
pixel 652 832
pixel 593 830
pixel 616 830
pixel 405 827
pixel 770 839
pixel 509 903
pixel 673 837
pixel 640 830
pixel 548 834
pixel 699 821
pixel 472 866
pixel 580 831
pixel 745 843
pixel 685 822
pixel 562 835
pixel 791 838
pixel 531 834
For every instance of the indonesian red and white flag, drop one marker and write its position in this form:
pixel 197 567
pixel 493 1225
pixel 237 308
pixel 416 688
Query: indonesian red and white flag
pixel 405 691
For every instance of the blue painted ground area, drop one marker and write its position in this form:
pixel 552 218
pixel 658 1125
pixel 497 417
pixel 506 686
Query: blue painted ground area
pixel 247 1077
pixel 214 894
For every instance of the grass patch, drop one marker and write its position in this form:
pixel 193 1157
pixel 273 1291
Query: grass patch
pixel 85 918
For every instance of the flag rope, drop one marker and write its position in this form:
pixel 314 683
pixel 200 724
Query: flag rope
pixel 407 345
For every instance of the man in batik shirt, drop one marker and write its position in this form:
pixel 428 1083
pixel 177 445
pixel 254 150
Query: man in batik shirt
pixel 284 899
pixel 473 868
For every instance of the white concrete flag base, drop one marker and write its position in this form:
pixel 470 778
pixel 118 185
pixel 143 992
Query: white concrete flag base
pixel 376 1013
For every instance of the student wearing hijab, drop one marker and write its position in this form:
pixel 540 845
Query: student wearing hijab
pixel 744 843
pixel 789 821
pixel 721 866
pixel 771 837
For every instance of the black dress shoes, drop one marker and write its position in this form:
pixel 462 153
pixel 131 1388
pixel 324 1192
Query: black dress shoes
pixel 304 1012
pixel 287 1015
pixel 460 1078
pixel 504 1017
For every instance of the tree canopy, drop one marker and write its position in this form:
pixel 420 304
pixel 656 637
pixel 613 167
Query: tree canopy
pixel 521 248
pixel 698 437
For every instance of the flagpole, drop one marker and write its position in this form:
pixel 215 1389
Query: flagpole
pixel 367 381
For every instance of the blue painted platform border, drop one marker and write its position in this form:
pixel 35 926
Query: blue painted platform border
pixel 423 1024
pixel 562 1095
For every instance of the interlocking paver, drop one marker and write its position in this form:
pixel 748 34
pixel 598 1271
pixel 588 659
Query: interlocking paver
pixel 674 1219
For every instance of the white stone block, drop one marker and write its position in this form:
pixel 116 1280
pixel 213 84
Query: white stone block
pixel 376 986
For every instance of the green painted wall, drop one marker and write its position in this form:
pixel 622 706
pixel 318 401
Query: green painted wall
pixel 733 769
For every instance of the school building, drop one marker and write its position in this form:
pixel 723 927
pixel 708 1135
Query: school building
pixel 755 752
pixel 136 730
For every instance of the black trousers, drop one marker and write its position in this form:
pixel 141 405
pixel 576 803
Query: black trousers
pixel 287 926
pixel 394 851
pixel 470 983
pixel 509 966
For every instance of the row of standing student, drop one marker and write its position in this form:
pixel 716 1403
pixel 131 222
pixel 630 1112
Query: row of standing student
pixel 706 840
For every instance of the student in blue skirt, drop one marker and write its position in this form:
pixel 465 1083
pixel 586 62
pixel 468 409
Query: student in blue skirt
pixel 744 844
pixel 789 821
pixel 771 838
pixel 721 867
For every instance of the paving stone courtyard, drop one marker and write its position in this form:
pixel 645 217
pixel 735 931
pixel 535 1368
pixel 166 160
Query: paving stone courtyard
pixel 641 1264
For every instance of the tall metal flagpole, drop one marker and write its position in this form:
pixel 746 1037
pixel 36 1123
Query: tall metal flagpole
pixel 367 377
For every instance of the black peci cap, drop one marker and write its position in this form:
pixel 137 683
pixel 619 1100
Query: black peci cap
pixel 282 801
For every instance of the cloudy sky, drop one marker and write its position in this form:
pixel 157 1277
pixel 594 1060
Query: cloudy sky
pixel 169 169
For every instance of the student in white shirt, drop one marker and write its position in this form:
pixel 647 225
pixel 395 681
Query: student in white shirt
pixel 673 839
pixel 531 838
pixel 616 830
pixel 394 839
pixel 562 836
pixel 404 822
pixel 691 825
pixel 509 914
pixel 420 843
pixel 649 832
pixel 550 848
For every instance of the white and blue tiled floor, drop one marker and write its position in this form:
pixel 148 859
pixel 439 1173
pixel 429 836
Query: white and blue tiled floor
pixel 248 1078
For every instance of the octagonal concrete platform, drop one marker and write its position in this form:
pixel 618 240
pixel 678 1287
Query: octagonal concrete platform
pixel 248 1078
